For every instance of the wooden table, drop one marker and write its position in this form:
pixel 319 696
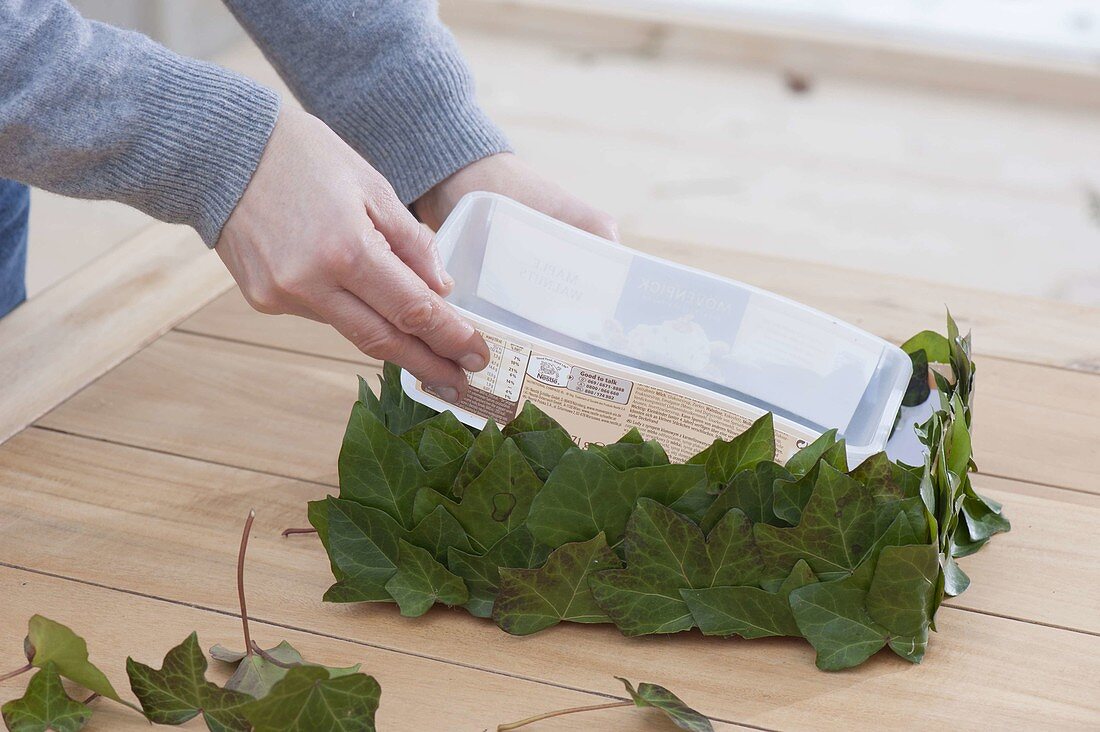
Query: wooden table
pixel 139 439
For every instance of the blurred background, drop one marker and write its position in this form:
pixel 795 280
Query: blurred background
pixel 949 140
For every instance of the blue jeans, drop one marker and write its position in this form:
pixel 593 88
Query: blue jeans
pixel 15 206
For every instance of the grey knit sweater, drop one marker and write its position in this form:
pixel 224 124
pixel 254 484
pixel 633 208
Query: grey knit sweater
pixel 92 111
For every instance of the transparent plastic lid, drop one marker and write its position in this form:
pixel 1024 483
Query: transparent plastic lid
pixel 539 276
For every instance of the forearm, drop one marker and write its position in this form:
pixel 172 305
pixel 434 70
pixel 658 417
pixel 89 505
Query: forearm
pixel 386 75
pixel 91 111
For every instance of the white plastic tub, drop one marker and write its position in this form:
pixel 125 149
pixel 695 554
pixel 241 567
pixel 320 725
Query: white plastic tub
pixel 550 283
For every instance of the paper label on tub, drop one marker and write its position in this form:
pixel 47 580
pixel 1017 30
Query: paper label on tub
pixel 597 402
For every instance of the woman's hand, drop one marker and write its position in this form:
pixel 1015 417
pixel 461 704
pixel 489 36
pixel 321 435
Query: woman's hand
pixel 507 174
pixel 321 234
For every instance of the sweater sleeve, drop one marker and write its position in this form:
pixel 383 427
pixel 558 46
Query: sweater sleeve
pixel 91 111
pixel 386 75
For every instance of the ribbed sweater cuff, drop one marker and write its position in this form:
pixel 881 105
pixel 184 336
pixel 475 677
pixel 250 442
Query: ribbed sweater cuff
pixel 420 123
pixel 202 130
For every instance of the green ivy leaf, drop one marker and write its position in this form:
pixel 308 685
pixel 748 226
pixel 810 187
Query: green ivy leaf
pixel 533 599
pixel 805 459
pixel 585 496
pixel 377 468
pixel 666 553
pixel 658 697
pixel 726 458
pixel 45 706
pixel 836 528
pixel 632 451
pixel 49 641
pixel 495 502
pixel 363 545
pixel 484 449
pixel 900 596
pixel 517 550
pixel 256 673
pixel 937 349
pixel 398 410
pixel 833 617
pixel 792 494
pixel 308 700
pixel 751 491
pixel 540 438
pixel 420 581
pixel 747 611
pixel 179 691
pixel 437 532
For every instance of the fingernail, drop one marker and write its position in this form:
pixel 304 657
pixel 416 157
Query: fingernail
pixel 446 393
pixel 446 279
pixel 473 362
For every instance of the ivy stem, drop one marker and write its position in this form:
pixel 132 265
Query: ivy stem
pixel 91 698
pixel 16 672
pixel 269 658
pixel 291 532
pixel 240 579
pixel 560 712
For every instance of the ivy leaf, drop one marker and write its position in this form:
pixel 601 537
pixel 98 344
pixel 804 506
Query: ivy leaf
pixel 49 641
pixel 658 697
pixel 632 451
pixel 725 459
pixel 398 410
pixel 751 491
pixel 900 596
pixel 533 599
pixel 886 480
pixel 918 390
pixel 420 581
pixel 666 553
pixel 441 444
pixel 484 449
pixel 363 545
pixel 257 672
pixel 805 459
pixel 540 438
pixel 833 617
pixel 585 496
pixel 516 550
pixel 454 437
pixel 531 419
pixel 887 600
pixel 791 495
pixel 437 532
pixel 495 502
pixel 179 691
pixel 377 468
pixel 45 706
pixel 836 528
pixel 747 611
pixel 937 349
pixel 308 700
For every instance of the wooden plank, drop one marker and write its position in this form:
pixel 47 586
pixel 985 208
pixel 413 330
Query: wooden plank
pixel 417 693
pixel 1046 570
pixel 206 398
pixel 282 412
pixel 138 512
pixel 663 32
pixel 78 329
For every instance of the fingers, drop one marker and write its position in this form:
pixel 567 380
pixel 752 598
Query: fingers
pixel 409 239
pixel 592 220
pixel 375 336
pixel 386 284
